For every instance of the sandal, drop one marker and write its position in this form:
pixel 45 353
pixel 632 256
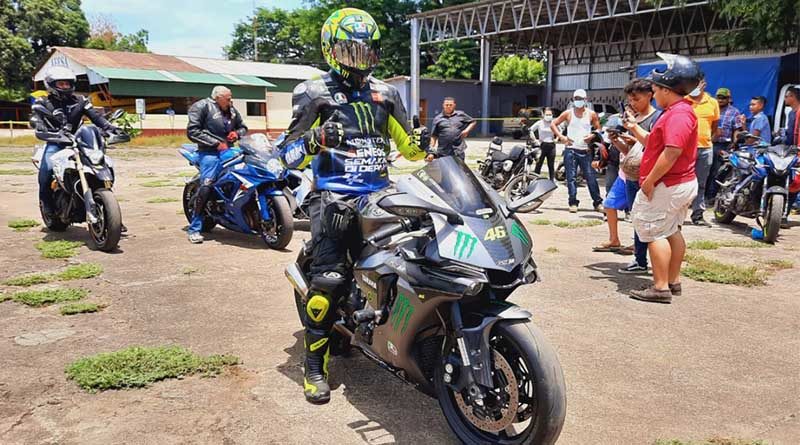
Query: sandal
pixel 607 247
pixel 627 250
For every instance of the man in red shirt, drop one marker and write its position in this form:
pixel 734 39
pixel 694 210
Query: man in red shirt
pixel 667 177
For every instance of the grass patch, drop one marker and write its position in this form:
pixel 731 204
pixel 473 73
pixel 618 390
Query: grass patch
pixel 80 308
pixel 778 264
pixel 80 272
pixel 157 183
pixel 28 280
pixel 712 441
pixel 4 297
pixel 145 175
pixel 137 367
pixel 22 225
pixel 161 200
pixel 159 141
pixel 714 244
pixel 700 268
pixel 182 174
pixel 541 222
pixel 27 140
pixel 15 172
pixel 189 270
pixel 48 296
pixel 58 249
pixel 578 224
pixel 551 250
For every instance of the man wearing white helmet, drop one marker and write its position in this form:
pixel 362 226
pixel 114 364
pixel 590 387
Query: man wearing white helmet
pixel 580 123
pixel 70 108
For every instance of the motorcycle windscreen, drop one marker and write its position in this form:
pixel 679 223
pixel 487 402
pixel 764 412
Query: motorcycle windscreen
pixel 455 184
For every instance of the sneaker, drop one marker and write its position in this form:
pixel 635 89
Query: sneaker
pixel 652 295
pixel 573 209
pixel 195 238
pixel 123 228
pixel 599 208
pixel 701 222
pixel 633 268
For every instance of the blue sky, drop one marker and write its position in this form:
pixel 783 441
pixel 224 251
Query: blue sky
pixel 181 27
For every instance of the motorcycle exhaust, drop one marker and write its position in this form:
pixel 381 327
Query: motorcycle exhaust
pixel 298 280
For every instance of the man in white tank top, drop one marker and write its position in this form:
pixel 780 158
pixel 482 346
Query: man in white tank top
pixel 581 121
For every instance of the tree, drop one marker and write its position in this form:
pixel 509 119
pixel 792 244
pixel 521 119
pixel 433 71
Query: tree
pixel 766 23
pixel 455 61
pixel 519 69
pixel 104 35
pixel 278 36
pixel 47 23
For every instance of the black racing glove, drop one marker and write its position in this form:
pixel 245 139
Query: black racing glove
pixel 329 135
pixel 421 137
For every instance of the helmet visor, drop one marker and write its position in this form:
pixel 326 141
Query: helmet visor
pixel 357 55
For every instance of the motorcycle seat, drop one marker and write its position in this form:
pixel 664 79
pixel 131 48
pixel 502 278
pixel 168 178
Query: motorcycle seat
pixel 514 154
pixel 189 151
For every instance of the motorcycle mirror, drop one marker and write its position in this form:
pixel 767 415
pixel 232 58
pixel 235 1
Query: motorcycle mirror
pixel 403 204
pixel 118 138
pixel 497 140
pixel 118 113
pixel 415 121
pixel 539 190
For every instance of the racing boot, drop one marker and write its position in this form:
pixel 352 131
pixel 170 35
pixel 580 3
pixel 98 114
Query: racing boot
pixel 315 379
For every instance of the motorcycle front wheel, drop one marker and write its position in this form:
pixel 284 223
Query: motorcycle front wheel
pixel 773 217
pixel 528 402
pixel 108 229
pixel 278 234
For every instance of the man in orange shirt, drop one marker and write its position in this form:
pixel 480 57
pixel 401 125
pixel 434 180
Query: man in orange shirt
pixel 706 109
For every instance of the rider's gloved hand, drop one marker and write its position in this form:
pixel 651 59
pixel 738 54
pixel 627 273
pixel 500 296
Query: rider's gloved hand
pixel 329 135
pixel 222 146
pixel 233 137
pixel 421 137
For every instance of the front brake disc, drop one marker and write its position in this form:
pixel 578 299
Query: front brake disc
pixel 508 412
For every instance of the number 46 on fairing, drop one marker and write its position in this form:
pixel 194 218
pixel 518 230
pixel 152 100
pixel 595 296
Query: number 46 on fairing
pixel 495 233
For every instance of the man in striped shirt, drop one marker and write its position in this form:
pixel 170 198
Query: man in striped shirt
pixel 728 125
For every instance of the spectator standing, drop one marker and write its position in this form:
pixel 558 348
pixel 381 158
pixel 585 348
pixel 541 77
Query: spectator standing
pixel 547 143
pixel 580 122
pixel 706 109
pixel 759 126
pixel 667 177
pixel 723 137
pixel 792 100
pixel 450 128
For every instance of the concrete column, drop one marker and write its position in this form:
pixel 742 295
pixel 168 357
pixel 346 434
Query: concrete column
pixel 486 80
pixel 413 107
pixel 549 87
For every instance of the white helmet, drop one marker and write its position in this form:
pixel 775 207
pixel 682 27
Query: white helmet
pixel 56 74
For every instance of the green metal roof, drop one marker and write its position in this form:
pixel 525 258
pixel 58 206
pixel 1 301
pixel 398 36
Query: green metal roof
pixel 181 76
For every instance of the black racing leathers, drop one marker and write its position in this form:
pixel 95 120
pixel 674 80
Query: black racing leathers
pixel 208 125
pixel 69 111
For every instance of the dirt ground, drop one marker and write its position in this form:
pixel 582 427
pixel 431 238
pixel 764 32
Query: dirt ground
pixel 720 361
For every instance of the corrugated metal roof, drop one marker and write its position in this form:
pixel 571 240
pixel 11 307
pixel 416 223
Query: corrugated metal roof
pixel 120 59
pixel 260 69
pixel 180 76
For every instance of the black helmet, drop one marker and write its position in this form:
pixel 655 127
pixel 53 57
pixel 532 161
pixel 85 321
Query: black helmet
pixel 681 76
pixel 56 74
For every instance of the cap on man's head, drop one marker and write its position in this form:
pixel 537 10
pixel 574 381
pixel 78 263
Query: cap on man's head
pixel 723 92
pixel 580 92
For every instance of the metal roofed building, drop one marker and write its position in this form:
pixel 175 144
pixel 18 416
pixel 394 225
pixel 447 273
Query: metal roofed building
pixel 262 91
pixel 591 44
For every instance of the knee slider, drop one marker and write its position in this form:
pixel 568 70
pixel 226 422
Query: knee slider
pixel 317 308
pixel 327 282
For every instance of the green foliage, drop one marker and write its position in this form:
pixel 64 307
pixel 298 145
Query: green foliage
pixel 16 63
pixel 46 23
pixel 578 224
pixel 700 268
pixel 764 24
pixel 161 200
pixel 778 264
pixel 79 308
pixel 127 122
pixel 455 61
pixel 137 367
pixel 551 250
pixel 714 244
pixel 58 249
pixel 48 296
pixel 22 225
pixel 519 69
pixel 28 280
pixel 15 172
pixel 278 37
pixel 104 35
pixel 157 183
pixel 80 272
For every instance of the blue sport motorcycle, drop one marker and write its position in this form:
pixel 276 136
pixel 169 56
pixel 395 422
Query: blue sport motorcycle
pixel 247 195
pixel 754 183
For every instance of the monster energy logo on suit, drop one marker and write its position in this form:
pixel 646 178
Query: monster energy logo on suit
pixel 366 121
pixel 465 245
pixel 401 313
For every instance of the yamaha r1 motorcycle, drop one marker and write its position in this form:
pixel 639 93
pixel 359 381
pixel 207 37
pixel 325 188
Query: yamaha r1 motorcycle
pixel 499 166
pixel 755 184
pixel 442 253
pixel 83 177
pixel 247 195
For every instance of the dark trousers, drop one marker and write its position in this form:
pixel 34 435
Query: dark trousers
pixel 716 164
pixel 548 152
pixel 46 176
pixel 572 159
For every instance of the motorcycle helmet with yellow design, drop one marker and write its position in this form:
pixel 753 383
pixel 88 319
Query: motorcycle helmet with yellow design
pixel 351 43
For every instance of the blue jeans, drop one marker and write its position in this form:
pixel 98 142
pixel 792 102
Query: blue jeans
pixel 210 165
pixel 639 248
pixel 573 158
pixel 46 176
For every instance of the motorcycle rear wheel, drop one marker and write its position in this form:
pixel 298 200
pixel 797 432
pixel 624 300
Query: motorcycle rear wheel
pixel 721 214
pixel 52 222
pixel 189 191
pixel 106 232
pixel 516 187
pixel 773 218
pixel 541 393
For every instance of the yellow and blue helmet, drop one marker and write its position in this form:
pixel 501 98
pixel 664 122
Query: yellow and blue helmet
pixel 351 42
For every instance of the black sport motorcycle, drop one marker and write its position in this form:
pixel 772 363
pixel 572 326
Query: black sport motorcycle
pixel 83 177
pixel 442 254
pixel 500 166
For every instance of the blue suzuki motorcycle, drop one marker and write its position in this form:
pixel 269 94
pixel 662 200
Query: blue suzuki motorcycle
pixel 247 195
pixel 755 184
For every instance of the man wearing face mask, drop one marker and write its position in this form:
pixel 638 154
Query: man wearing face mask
pixel 546 142
pixel 580 123
pixel 706 109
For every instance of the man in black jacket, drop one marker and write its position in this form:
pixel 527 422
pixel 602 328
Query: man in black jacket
pixel 69 109
pixel 214 124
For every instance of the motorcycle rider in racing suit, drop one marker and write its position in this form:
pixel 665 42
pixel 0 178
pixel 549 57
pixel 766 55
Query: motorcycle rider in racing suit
pixel 70 109
pixel 341 124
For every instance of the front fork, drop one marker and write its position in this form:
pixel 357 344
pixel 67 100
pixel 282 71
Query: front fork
pixel 88 199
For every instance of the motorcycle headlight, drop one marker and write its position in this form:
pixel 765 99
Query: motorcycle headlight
pixel 95 156
pixel 274 166
pixel 779 162
pixel 507 165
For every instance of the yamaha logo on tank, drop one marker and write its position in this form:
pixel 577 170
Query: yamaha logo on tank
pixel 340 98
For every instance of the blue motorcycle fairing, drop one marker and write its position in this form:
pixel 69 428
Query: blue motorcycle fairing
pixel 189 151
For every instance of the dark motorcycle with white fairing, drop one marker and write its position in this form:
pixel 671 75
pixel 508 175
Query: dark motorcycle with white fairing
pixel 500 166
pixel 428 302
pixel 83 177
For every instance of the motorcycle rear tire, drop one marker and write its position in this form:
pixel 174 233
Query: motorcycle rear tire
pixel 548 388
pixel 721 214
pixel 530 177
pixel 773 218
pixel 189 191
pixel 52 222
pixel 107 238
pixel 282 215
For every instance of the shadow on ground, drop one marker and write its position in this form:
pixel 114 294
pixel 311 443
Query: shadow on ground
pixel 625 283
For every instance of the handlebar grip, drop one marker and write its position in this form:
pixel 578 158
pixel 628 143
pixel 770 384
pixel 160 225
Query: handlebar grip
pixel 387 231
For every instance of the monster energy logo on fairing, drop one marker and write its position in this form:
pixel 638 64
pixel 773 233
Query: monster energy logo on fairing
pixel 518 232
pixel 401 313
pixel 465 245
pixel 366 121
